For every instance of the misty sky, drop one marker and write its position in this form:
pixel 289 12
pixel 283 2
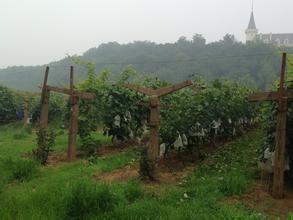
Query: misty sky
pixel 40 31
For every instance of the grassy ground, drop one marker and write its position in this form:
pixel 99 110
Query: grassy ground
pixel 69 191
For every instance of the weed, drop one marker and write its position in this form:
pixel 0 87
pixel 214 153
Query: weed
pixel 19 135
pixel 90 146
pixel 92 159
pixel 86 199
pixel 21 169
pixel 22 132
pixel 46 139
pixel 133 191
pixel 28 129
pixel 233 183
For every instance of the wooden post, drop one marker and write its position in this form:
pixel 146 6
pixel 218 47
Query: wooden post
pixel 73 125
pixel 281 97
pixel 154 121
pixel 45 102
pixel 25 111
pixel 74 96
pixel 278 181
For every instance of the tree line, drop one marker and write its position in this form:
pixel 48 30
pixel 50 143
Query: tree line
pixel 254 64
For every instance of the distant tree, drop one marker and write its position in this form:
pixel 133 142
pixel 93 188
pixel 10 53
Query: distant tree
pixel 198 39
pixel 223 59
pixel 183 41
pixel 8 107
pixel 229 39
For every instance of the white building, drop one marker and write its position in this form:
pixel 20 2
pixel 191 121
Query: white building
pixel 270 38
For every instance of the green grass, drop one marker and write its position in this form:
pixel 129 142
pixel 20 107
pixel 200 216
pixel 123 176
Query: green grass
pixel 69 189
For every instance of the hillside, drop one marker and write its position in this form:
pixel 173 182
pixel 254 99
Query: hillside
pixel 255 65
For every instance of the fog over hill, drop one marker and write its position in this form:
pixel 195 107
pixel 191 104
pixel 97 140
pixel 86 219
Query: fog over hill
pixel 253 64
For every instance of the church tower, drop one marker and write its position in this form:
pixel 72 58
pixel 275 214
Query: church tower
pixel 251 30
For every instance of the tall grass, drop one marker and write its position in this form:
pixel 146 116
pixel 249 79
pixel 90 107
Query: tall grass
pixel 86 199
pixel 71 191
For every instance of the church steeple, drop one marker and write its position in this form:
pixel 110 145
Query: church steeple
pixel 251 31
pixel 251 24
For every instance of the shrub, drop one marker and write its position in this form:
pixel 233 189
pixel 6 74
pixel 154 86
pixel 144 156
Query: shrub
pixel 133 191
pixel 8 106
pixel 146 166
pixel 46 140
pixel 86 199
pixel 57 109
pixel 89 145
pixel 19 135
pixel 22 132
pixel 233 183
pixel 21 169
pixel 28 129
pixel 92 159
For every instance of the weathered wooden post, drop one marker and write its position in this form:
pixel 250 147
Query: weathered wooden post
pixel 278 181
pixel 74 96
pixel 25 111
pixel 281 97
pixel 73 124
pixel 154 119
pixel 154 123
pixel 45 102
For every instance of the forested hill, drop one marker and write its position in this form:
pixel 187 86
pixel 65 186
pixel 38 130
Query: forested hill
pixel 253 64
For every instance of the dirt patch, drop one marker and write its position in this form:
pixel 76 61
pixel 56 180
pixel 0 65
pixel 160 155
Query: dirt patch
pixel 123 174
pixel 113 150
pixel 164 174
pixel 55 159
pixel 171 169
pixel 260 200
pixel 118 147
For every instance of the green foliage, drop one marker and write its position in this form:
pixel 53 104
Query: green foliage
pixel 269 123
pixel 290 69
pixel 202 113
pixel 234 183
pixel 225 59
pixel 20 135
pixel 133 191
pixel 205 112
pixel 116 107
pixel 126 114
pixel 91 111
pixel 269 118
pixel 45 140
pixel 22 132
pixel 89 146
pixel 21 169
pixel 28 129
pixel 87 199
pixel 8 106
pixel 58 109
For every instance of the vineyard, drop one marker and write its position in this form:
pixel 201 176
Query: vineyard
pixel 194 152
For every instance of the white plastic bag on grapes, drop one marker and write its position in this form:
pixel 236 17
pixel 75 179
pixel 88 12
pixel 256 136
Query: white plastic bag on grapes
pixel 162 149
pixel 117 121
pixel 184 140
pixel 178 143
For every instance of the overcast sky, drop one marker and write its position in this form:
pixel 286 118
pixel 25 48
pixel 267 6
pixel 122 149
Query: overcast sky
pixel 40 31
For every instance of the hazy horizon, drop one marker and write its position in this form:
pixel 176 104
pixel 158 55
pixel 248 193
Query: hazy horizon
pixel 36 32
